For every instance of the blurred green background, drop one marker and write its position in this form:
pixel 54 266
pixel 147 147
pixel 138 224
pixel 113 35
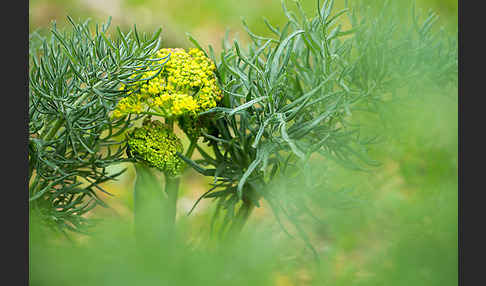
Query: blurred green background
pixel 401 230
pixel 207 20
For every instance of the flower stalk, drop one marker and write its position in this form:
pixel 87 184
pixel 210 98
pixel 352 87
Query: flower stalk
pixel 185 86
pixel 148 202
pixel 172 190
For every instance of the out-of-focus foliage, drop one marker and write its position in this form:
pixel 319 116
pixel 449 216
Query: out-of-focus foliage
pixel 399 227
pixel 205 19
pixel 291 98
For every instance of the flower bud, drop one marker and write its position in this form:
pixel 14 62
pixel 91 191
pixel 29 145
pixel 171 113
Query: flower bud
pixel 156 145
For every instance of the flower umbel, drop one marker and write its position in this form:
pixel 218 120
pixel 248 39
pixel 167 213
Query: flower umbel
pixel 156 145
pixel 185 86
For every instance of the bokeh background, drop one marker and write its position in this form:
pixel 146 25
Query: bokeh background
pixel 401 228
pixel 207 20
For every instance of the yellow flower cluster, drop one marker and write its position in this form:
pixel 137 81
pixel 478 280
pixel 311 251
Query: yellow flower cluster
pixel 129 105
pixel 178 104
pixel 186 85
pixel 156 145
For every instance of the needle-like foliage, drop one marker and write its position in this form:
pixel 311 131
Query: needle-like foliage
pixel 74 84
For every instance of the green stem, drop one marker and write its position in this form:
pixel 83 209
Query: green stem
pixel 172 190
pixel 170 124
pixel 191 148
pixel 52 132
pixel 149 207
pixel 154 213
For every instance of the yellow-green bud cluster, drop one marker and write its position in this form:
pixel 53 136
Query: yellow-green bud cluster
pixel 186 86
pixel 156 145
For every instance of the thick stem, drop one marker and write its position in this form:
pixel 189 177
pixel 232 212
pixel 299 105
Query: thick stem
pixel 154 211
pixel 172 190
pixel 149 208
